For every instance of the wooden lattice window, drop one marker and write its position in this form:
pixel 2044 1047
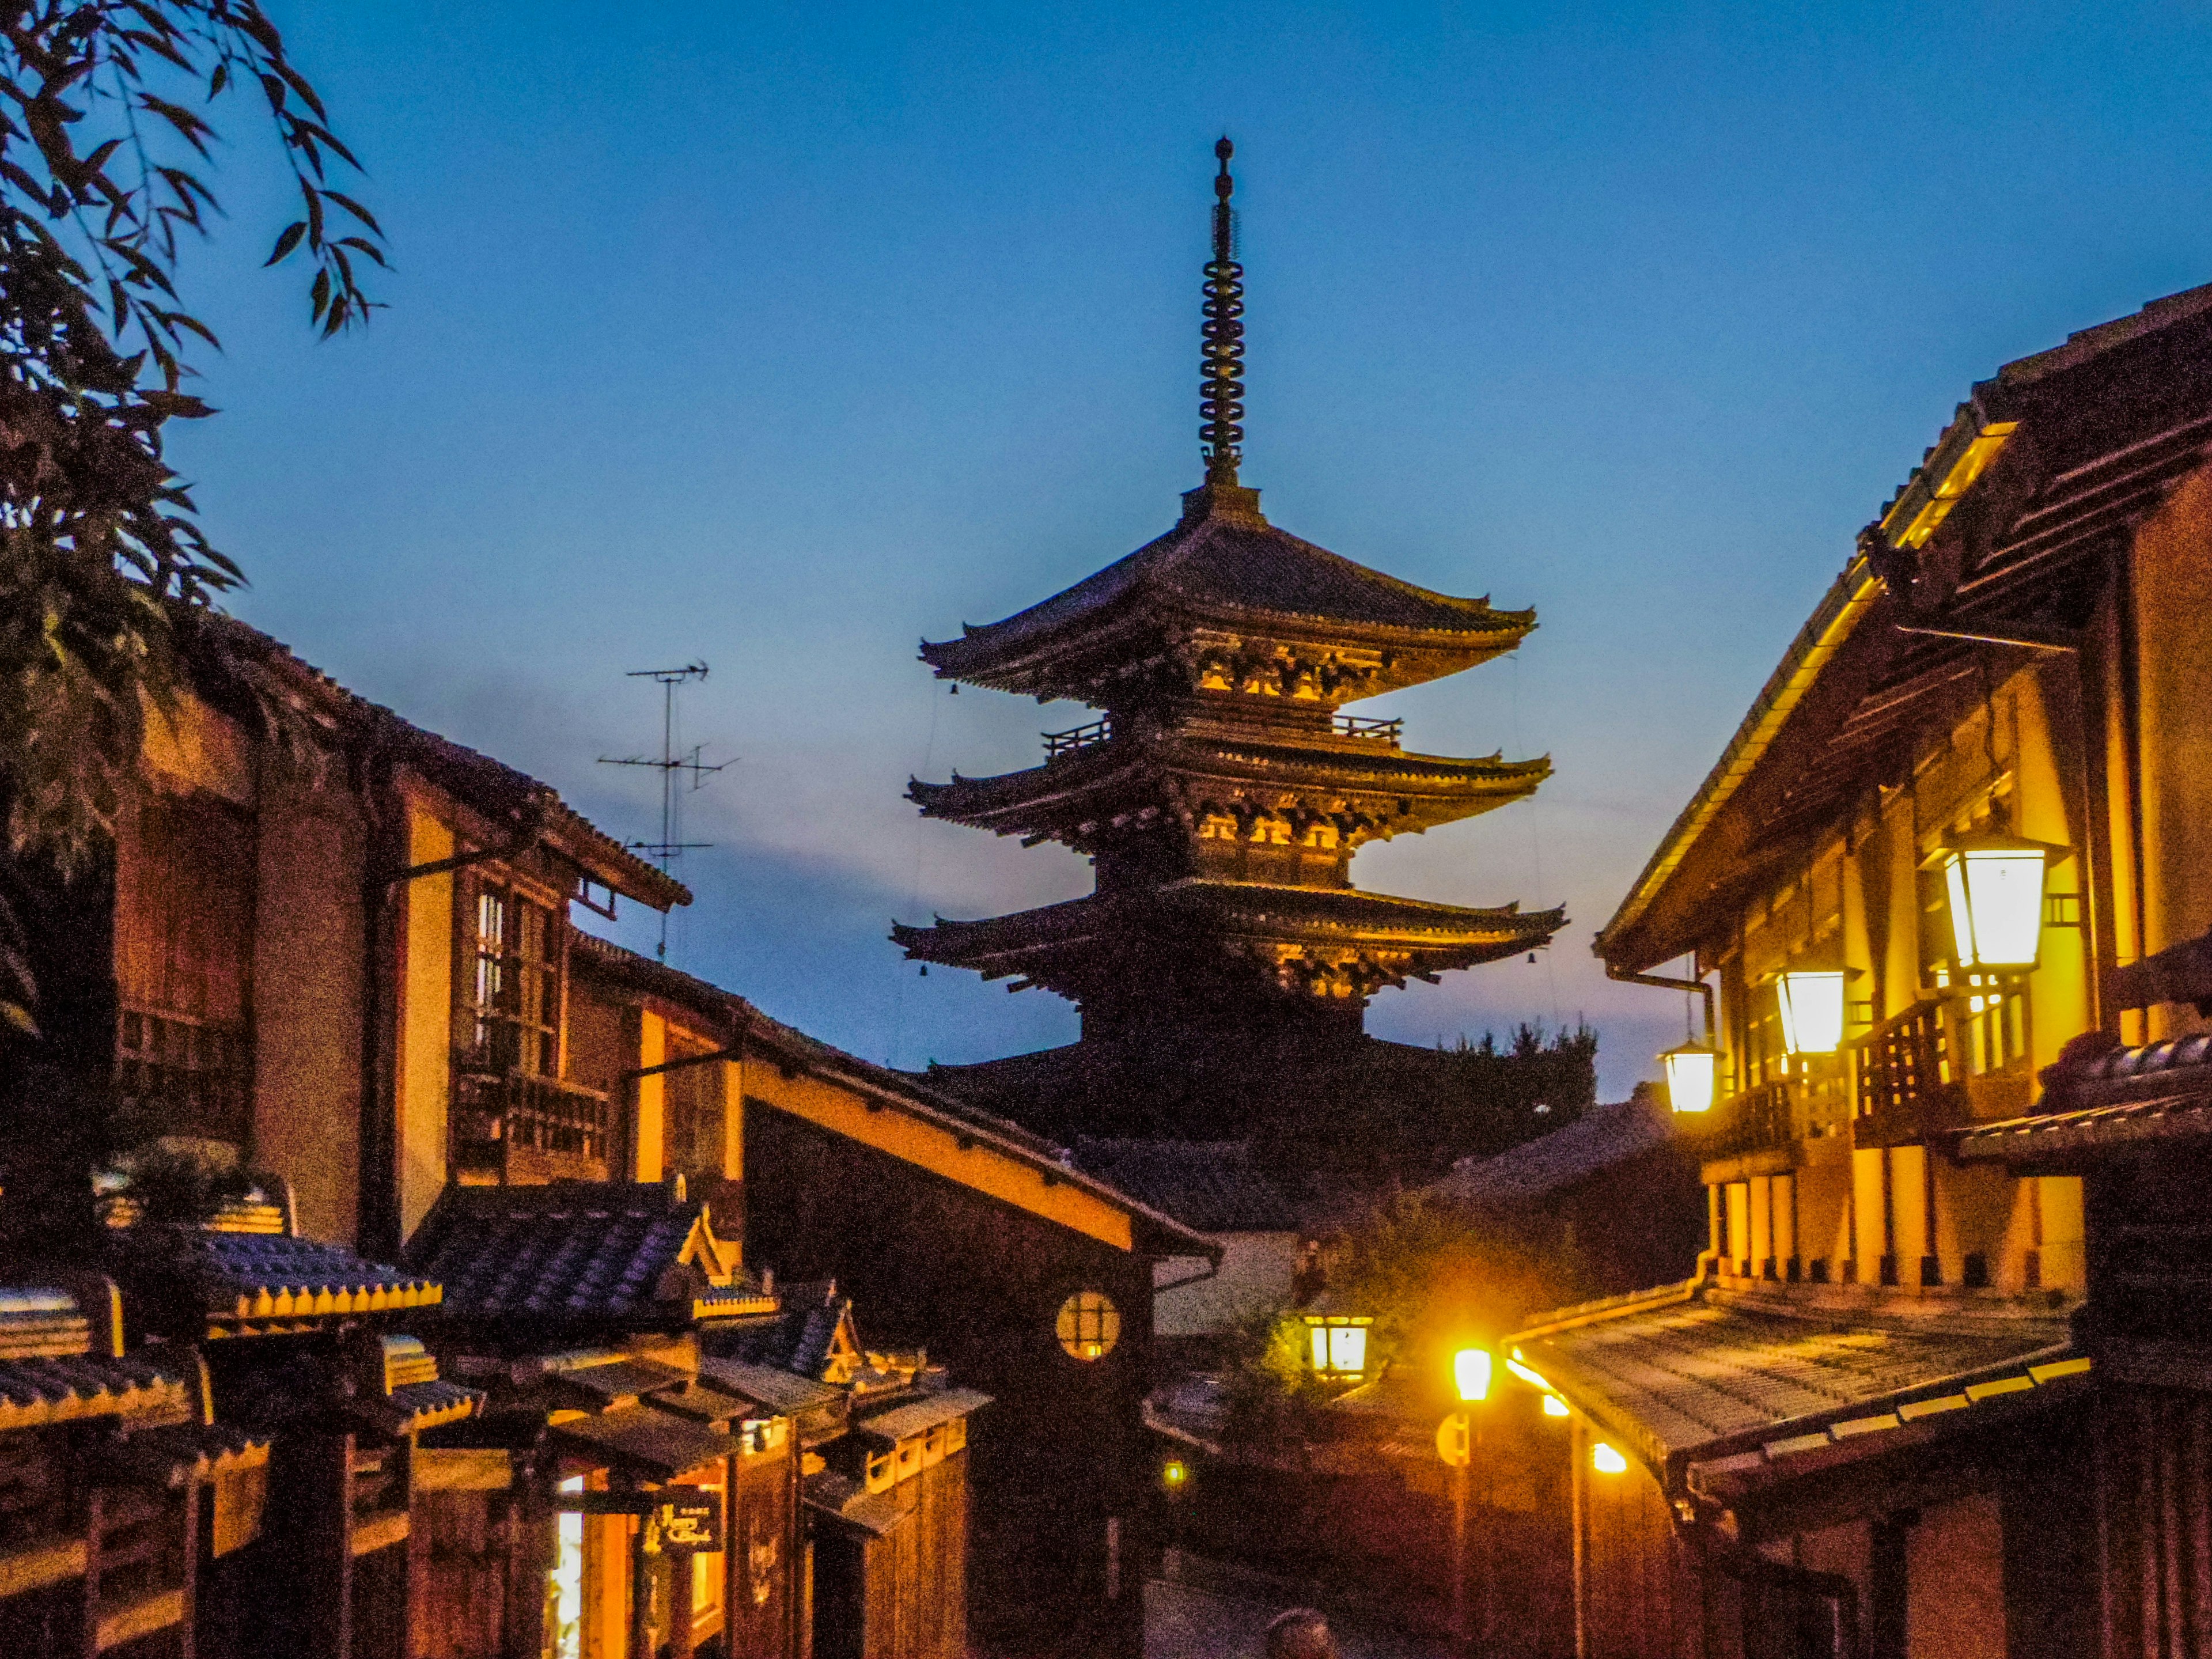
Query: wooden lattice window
pixel 1089 1325
pixel 513 953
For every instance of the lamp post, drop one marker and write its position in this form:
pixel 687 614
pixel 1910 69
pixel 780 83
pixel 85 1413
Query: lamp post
pixel 1455 1444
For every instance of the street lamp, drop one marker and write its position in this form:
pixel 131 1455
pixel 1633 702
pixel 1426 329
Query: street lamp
pixel 1472 1369
pixel 1340 1344
pixel 1691 1071
pixel 1994 884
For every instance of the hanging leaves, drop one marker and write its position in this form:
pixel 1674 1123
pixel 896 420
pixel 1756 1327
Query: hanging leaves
pixel 107 123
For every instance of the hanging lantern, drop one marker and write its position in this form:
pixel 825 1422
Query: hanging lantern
pixel 1692 1072
pixel 1994 886
pixel 1554 1407
pixel 1606 1460
pixel 1812 1003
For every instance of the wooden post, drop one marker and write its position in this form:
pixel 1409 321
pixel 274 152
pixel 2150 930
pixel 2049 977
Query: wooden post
pixel 640 1590
pixel 1580 1510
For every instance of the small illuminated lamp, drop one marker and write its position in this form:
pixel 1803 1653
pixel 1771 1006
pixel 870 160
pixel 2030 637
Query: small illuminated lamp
pixel 1606 1460
pixel 1811 1004
pixel 1692 1072
pixel 1471 1373
pixel 1339 1343
pixel 1995 885
pixel 1554 1407
pixel 1175 1475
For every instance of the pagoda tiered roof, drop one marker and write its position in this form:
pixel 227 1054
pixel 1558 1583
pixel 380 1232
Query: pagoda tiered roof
pixel 1221 582
pixel 1292 931
pixel 1374 788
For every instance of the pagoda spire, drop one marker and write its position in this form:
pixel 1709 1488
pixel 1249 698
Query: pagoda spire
pixel 1222 390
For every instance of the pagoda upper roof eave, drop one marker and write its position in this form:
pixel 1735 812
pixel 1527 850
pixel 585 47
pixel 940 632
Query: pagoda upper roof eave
pixel 1234 572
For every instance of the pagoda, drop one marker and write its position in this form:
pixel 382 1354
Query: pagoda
pixel 1222 792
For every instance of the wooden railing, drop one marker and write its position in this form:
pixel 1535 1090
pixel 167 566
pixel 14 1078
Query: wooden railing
pixel 521 1127
pixel 175 1074
pixel 1908 1086
pixel 1076 740
pixel 1355 726
pixel 1774 1116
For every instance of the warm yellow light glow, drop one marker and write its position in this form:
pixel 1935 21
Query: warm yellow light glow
pixel 1321 1347
pixel 1995 892
pixel 1471 1371
pixel 1554 1407
pixel 1606 1460
pixel 1812 1003
pixel 1690 1076
pixel 1347 1347
pixel 1175 1473
pixel 1526 1374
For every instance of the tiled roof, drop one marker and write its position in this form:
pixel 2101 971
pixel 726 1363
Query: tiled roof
pixel 919 1416
pixel 1686 1375
pixel 1210 1185
pixel 578 1253
pixel 2117 1098
pixel 247 1281
pixel 1228 565
pixel 841 1498
pixel 41 1322
pixel 170 1456
pixel 656 1444
pixel 1603 1138
pixel 36 1392
pixel 783 1392
pixel 799 1340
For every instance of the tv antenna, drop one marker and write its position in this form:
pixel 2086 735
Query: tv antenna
pixel 671 846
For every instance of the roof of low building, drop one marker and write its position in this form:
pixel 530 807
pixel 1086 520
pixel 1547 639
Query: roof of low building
pixel 1694 1375
pixel 773 1387
pixel 247 1283
pixel 1211 1185
pixel 579 1253
pixel 1603 1138
pixel 802 1339
pixel 2100 1099
pixel 914 1417
pixel 36 1392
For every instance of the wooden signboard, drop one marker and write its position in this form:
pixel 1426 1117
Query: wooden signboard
pixel 693 1522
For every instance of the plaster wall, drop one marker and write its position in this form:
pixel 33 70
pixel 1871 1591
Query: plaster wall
pixel 425 1017
pixel 1954 1581
pixel 308 966
pixel 1868 1243
pixel 2173 573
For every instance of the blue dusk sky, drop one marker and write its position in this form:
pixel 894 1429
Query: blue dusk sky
pixel 781 337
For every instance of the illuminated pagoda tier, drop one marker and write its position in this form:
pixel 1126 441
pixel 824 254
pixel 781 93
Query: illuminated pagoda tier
pixel 1222 794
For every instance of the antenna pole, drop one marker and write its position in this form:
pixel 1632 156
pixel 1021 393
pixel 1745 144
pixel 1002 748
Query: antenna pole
pixel 669 848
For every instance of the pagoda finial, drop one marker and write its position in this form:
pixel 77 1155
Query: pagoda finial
pixel 1222 391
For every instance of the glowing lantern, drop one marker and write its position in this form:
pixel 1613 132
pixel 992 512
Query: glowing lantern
pixel 1691 1074
pixel 1995 886
pixel 1812 1001
pixel 1176 1474
pixel 1554 1407
pixel 1471 1373
pixel 1606 1460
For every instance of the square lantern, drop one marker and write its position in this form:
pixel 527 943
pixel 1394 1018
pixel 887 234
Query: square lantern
pixel 1692 1072
pixel 1993 884
pixel 1340 1344
pixel 1812 1005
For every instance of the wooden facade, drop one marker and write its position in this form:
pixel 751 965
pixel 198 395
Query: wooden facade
pixel 2015 650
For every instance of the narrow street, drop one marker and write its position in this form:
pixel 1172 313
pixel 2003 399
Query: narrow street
pixel 1211 1619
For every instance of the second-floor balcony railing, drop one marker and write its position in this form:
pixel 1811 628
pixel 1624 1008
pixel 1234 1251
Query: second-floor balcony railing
pixel 1076 740
pixel 522 1126
pixel 1908 1083
pixel 1773 1117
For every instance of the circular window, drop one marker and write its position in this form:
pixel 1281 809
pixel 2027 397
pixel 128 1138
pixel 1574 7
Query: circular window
pixel 1089 1326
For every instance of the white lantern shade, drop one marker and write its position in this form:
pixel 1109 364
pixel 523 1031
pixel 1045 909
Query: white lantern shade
pixel 1812 1010
pixel 1321 1347
pixel 1995 894
pixel 1554 1407
pixel 1606 1460
pixel 1691 1074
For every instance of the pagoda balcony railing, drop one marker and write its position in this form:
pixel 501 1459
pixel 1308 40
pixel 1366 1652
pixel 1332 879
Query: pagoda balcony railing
pixel 1908 1089
pixel 1075 740
pixel 521 1127
pixel 1357 726
pixel 178 1075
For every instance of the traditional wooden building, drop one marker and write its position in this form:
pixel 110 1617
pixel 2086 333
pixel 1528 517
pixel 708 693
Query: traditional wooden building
pixel 1939 858
pixel 1221 796
pixel 965 1239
